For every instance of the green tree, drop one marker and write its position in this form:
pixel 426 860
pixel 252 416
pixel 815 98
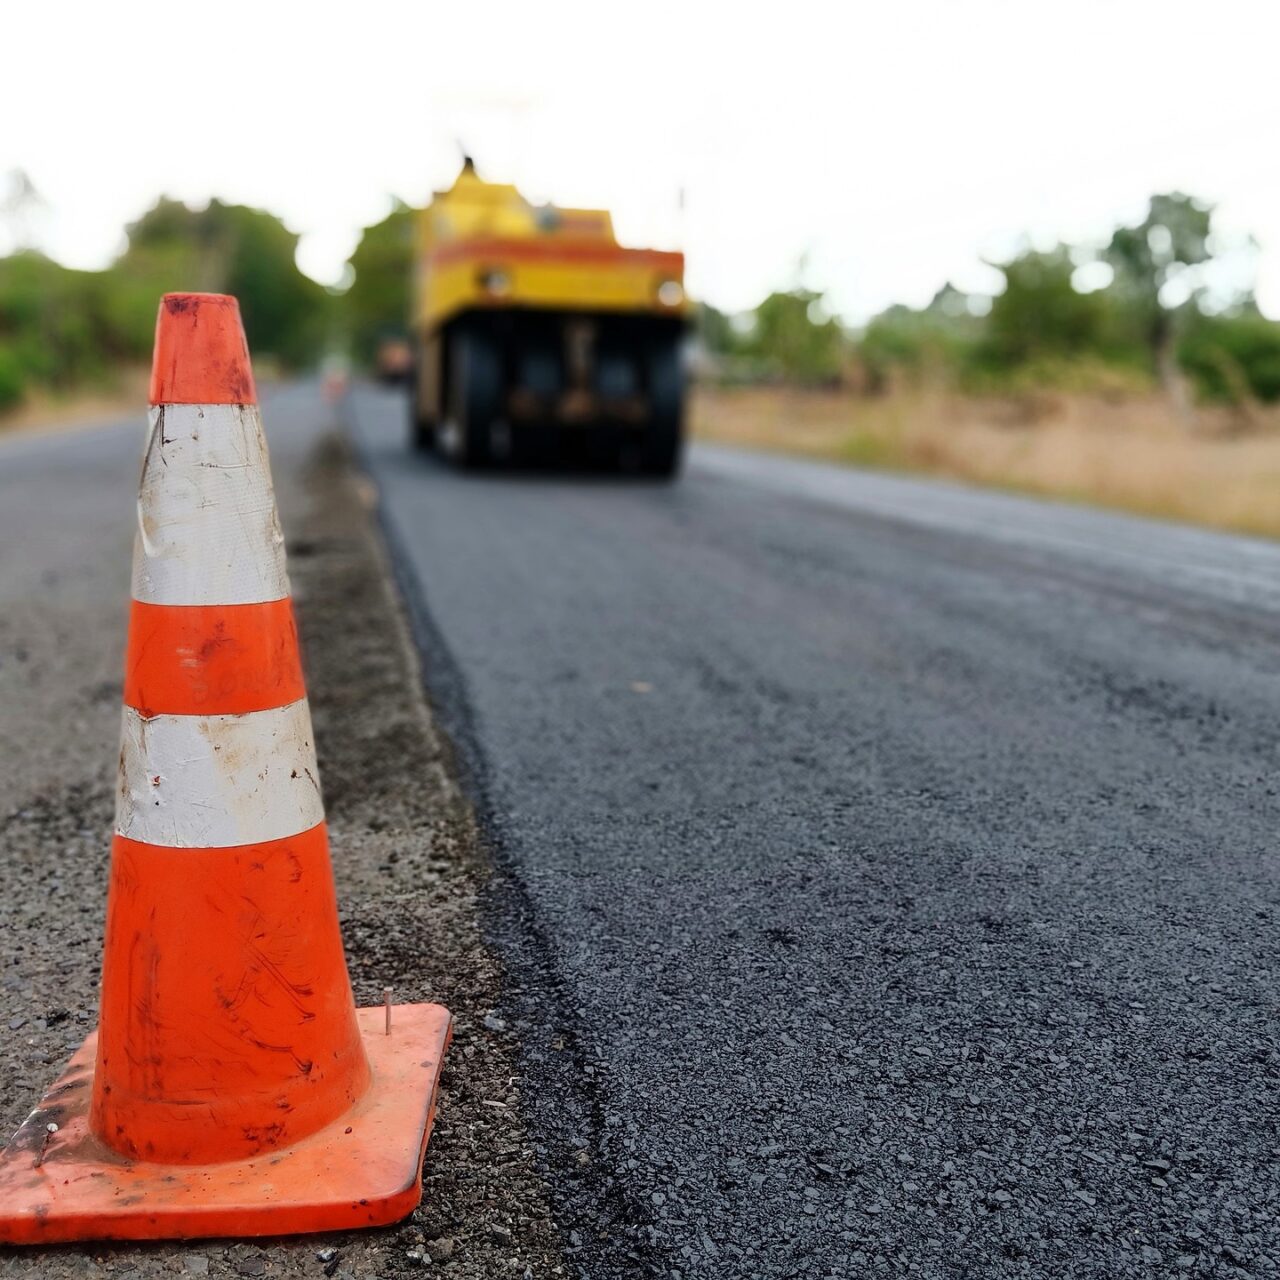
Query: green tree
pixel 928 344
pixel 715 329
pixel 376 306
pixel 223 248
pixel 1168 247
pixel 1040 315
pixel 796 339
pixel 60 328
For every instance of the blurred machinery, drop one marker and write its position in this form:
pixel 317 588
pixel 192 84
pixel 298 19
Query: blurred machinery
pixel 393 361
pixel 533 329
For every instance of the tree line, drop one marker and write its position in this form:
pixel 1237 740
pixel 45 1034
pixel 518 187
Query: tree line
pixel 1142 310
pixel 61 329
pixel 1145 309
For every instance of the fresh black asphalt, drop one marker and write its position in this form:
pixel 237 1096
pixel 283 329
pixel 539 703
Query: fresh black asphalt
pixel 887 875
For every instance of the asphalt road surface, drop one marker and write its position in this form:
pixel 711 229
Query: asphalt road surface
pixel 872 877
pixel 887 877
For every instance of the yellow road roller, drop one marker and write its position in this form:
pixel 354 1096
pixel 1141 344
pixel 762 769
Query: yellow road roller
pixel 533 330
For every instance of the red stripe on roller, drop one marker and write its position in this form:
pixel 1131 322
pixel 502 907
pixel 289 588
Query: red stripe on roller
pixel 552 250
pixel 215 659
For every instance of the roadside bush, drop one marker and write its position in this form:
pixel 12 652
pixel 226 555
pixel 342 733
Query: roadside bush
pixel 11 380
pixel 49 320
pixel 1081 374
pixel 930 345
pixel 795 340
pixel 1231 358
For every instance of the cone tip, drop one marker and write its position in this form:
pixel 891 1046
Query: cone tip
pixel 201 356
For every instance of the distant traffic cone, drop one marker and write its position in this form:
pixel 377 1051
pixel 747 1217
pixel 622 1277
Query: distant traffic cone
pixel 232 1087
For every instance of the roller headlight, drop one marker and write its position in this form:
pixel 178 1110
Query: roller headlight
pixel 671 293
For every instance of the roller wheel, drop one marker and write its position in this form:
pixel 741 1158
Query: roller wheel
pixel 422 428
pixel 475 397
pixel 663 444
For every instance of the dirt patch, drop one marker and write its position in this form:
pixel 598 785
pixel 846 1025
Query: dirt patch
pixel 411 875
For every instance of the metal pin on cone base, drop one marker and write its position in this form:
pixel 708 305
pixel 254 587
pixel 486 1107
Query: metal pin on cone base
pixel 362 1170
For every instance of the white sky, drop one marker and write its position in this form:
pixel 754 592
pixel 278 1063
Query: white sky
pixel 893 143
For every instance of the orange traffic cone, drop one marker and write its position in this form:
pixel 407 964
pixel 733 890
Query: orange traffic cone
pixel 232 1087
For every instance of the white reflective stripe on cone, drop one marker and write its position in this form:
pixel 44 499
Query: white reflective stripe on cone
pixel 207 526
pixel 204 782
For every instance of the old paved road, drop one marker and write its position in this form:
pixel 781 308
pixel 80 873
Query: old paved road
pixel 889 871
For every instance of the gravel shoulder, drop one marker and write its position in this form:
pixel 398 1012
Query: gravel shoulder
pixel 411 871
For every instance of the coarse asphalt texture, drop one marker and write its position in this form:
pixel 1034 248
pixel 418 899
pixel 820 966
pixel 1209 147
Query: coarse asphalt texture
pixel 886 872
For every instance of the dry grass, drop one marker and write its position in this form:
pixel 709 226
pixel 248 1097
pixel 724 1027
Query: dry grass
pixel 1133 453
pixel 124 395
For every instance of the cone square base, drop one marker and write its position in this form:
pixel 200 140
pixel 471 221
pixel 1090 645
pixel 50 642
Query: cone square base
pixel 365 1169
